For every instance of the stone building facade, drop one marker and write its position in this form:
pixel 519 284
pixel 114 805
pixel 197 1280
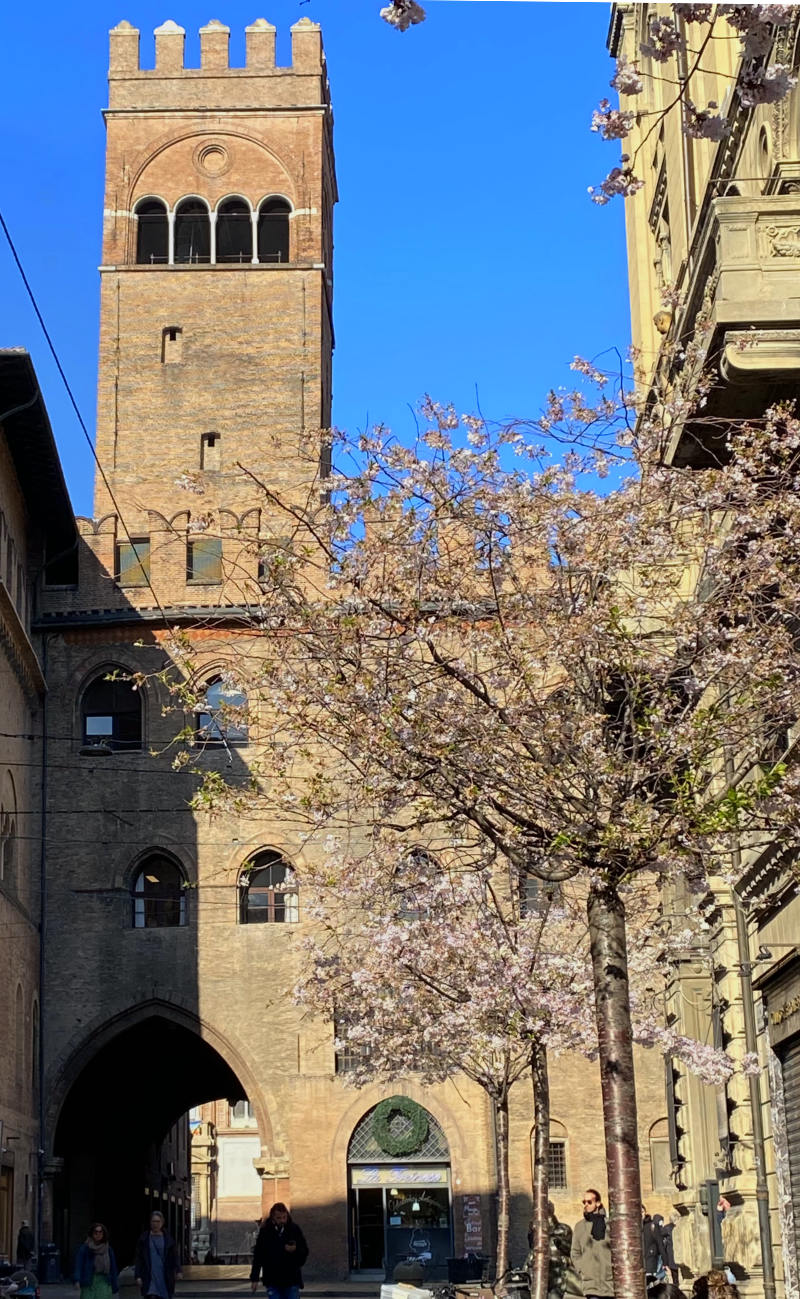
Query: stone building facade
pixel 714 256
pixel 36 524
pixel 173 933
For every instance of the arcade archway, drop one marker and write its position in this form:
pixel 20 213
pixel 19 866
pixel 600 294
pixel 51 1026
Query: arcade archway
pixel 123 1136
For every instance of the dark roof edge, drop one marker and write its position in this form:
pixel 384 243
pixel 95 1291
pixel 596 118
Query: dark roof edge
pixel 29 434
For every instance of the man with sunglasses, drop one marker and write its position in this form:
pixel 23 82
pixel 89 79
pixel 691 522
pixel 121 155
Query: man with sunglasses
pixel 591 1249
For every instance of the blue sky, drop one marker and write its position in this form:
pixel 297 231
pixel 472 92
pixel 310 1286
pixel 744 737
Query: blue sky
pixel 468 255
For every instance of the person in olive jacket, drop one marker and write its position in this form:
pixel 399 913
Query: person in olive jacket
pixel 279 1254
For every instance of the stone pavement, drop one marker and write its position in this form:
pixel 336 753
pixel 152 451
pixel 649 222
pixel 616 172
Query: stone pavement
pixel 229 1283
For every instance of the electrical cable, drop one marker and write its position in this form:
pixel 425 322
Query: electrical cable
pixel 75 407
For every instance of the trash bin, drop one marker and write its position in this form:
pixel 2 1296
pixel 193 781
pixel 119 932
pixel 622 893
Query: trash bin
pixel 49 1264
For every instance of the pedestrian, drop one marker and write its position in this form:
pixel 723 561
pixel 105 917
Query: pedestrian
pixel 156 1265
pixel 96 1273
pixel 25 1242
pixel 279 1254
pixel 666 1233
pixel 651 1248
pixel 591 1249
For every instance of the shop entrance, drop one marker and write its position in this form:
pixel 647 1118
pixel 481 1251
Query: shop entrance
pixel 400 1209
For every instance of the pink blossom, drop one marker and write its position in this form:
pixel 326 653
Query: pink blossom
pixel 626 79
pixel 702 124
pixel 403 14
pixel 768 86
pixel 690 13
pixel 619 182
pixel 612 123
pixel 664 40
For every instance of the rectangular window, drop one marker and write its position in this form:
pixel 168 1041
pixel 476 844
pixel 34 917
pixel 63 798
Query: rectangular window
pixel 210 451
pixel 536 896
pixel 133 562
pixel 204 560
pixel 171 344
pixel 350 1057
pixel 557 1166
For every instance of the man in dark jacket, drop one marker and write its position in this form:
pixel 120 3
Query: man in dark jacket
pixel 156 1264
pixel 279 1254
pixel 25 1242
pixel 651 1246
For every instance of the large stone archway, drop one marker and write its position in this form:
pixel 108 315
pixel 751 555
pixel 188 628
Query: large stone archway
pixel 116 1145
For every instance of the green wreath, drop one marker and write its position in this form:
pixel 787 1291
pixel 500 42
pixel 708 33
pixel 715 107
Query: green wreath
pixel 405 1143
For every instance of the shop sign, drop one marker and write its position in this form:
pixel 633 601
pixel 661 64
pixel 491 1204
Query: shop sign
pixel 397 1175
pixel 473 1225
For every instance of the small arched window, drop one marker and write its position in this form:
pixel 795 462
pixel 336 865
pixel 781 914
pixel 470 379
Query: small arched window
pixel 192 231
pixel 660 1159
pixel 111 712
pixel 158 894
pixel 268 891
pixel 234 231
pixel 273 230
pixel 152 233
pixel 8 833
pixel 222 718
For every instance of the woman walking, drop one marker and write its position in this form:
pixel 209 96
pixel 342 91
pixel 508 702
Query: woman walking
pixel 95 1266
pixel 156 1265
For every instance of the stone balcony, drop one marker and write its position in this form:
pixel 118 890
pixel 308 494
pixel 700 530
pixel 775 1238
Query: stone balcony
pixel 744 279
pixel 756 301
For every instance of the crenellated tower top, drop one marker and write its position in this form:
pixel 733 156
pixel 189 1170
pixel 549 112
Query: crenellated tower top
pixel 215 84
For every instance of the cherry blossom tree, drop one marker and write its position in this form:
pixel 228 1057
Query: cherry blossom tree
pixel 468 633
pixel 436 969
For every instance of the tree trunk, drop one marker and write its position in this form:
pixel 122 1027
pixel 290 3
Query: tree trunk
pixel 540 1256
pixel 503 1190
pixel 606 914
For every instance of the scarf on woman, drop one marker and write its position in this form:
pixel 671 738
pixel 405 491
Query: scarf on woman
pixel 102 1262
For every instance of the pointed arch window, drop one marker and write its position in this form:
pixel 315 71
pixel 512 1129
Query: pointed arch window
pixel 152 232
pixel 222 718
pixel 192 231
pixel 234 231
pixel 8 833
pixel 158 894
pixel 273 230
pixel 268 892
pixel 111 713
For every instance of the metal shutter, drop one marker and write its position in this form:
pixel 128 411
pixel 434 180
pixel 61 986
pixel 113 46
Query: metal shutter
pixel 791 1092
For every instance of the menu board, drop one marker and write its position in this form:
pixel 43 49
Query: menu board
pixel 473 1225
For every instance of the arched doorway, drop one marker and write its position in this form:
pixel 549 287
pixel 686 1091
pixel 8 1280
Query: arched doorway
pixel 122 1137
pixel 400 1195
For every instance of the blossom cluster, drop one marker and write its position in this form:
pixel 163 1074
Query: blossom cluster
pixel 403 14
pixel 612 123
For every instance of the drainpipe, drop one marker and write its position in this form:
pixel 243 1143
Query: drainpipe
pixel 687 157
pixel 42 919
pixel 754 1081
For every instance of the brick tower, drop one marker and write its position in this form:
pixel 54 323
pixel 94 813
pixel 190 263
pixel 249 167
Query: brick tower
pixel 216 329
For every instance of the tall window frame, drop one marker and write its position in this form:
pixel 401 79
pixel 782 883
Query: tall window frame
pixel 158 893
pixel 112 712
pixel 152 232
pixel 268 890
pixel 221 721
